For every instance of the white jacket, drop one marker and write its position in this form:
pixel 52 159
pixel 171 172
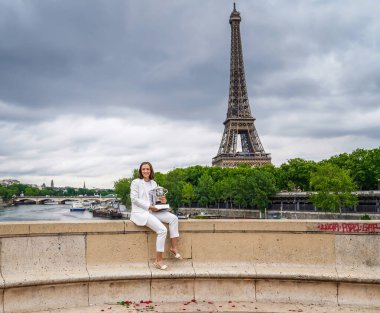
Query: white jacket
pixel 140 201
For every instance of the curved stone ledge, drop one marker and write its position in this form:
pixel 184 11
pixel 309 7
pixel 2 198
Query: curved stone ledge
pixel 11 229
pixel 52 265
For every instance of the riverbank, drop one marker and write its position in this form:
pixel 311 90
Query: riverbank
pixel 275 214
pixel 3 204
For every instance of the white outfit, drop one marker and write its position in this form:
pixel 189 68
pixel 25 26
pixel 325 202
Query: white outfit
pixel 141 216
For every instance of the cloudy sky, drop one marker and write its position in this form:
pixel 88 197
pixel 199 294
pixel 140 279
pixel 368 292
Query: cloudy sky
pixel 91 88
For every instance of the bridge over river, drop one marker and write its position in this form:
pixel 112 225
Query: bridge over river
pixel 59 199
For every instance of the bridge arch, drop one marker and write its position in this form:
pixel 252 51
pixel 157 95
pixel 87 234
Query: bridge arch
pixel 25 201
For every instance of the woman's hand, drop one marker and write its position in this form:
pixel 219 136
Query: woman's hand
pixel 153 209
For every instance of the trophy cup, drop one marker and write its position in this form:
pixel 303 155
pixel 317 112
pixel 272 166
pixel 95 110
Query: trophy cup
pixel 158 193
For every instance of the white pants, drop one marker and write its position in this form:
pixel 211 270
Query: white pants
pixel 154 222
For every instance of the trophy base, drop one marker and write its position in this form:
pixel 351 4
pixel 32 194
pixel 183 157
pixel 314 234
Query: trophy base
pixel 162 206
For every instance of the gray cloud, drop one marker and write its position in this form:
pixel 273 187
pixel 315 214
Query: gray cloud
pixel 312 72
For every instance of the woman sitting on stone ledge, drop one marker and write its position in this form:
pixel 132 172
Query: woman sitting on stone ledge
pixel 144 213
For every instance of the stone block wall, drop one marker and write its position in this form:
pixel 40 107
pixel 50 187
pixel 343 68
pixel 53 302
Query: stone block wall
pixel 52 265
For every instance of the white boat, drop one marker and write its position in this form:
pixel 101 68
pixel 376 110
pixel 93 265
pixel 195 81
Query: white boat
pixel 77 206
pixel 87 204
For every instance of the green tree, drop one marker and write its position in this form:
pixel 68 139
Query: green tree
pixel 218 192
pixel 123 190
pixel 161 179
pixel 188 193
pixel 205 190
pixel 193 173
pixel 174 183
pixel 174 195
pixel 31 191
pixel 253 187
pixel 223 191
pixel 263 186
pixel 296 174
pixel 70 191
pixel 241 191
pixel 6 193
pixel 364 166
pixel 333 187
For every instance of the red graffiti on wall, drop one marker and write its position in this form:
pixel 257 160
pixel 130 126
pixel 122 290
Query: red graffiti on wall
pixel 350 227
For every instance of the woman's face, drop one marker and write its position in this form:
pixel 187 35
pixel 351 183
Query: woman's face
pixel 145 170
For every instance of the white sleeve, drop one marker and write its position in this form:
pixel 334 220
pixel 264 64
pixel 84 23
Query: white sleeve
pixel 144 204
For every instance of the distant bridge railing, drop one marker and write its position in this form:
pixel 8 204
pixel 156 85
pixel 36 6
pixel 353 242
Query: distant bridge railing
pixel 59 199
pixel 368 201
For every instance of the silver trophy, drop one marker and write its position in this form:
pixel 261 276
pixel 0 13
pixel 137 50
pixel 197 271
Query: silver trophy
pixel 160 192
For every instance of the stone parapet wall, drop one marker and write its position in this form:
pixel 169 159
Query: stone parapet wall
pixel 50 265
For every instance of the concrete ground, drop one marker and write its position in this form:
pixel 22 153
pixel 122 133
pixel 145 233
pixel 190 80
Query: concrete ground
pixel 208 307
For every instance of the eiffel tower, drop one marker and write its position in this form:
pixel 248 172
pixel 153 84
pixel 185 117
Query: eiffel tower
pixel 239 123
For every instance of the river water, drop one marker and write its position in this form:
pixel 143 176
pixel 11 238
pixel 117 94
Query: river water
pixel 37 212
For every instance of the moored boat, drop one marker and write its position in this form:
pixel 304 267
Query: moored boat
pixel 77 206
pixel 107 209
pixel 110 213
